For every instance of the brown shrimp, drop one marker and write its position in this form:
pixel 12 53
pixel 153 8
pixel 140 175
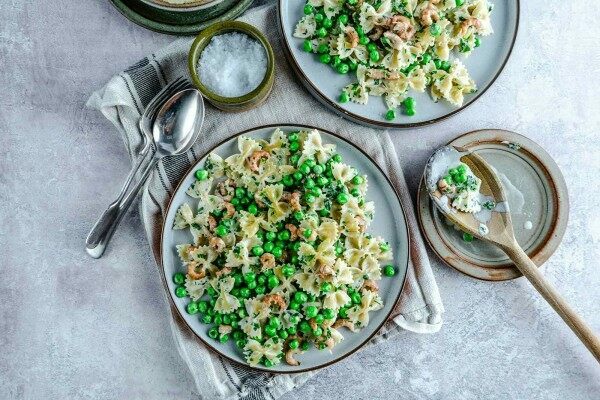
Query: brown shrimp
pixel 344 323
pixel 351 36
pixel 222 271
pixel 212 223
pixel 191 271
pixel 429 15
pixel 226 189
pixel 253 159
pixel 293 231
pixel 267 260
pixel 217 244
pixel 293 199
pixel 467 23
pixel 289 357
pixel 225 329
pixel 370 285
pixel 230 209
pixel 275 299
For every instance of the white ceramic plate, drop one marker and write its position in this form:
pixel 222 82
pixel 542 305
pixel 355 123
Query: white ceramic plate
pixel 389 222
pixel 325 84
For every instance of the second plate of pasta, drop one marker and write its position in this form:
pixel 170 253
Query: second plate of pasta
pixel 398 63
pixel 285 248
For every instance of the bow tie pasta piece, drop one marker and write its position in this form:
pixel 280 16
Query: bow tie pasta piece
pixel 270 350
pixel 359 314
pixel 226 302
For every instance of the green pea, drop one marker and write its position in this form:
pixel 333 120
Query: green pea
pixel 260 290
pixel 283 334
pixel 178 278
pixel 353 65
pixel 319 318
pixel 425 58
pixel 211 291
pixel 357 180
pixel 343 19
pixel 268 272
pixel 206 319
pixel 304 327
pixel 268 247
pixel 328 313
pixel 318 331
pixel 294 259
pixel 321 32
pixel 237 279
pixel 355 297
pixel 467 237
pixel 300 297
pixel 311 311
pixel 343 312
pixel 242 313
pixel 326 287
pixel 227 319
pixel 327 23
pixel 477 41
pixel 371 47
pixel 307 233
pixel 304 168
pixel 249 277
pixel 221 231
pixel 293 344
pixel 275 322
pixel 461 178
pixel 342 198
pixel 218 319
pixel 461 168
pixel 322 181
pixel 270 331
pixel 359 28
pixel 309 198
pixel 307 46
pixel 305 344
pixel 272 282
pixel 201 174
pixel 298 176
pixel 364 40
pixel 192 308
pixel 435 29
pixel 323 49
pixel 287 270
pixel 284 235
pixel 277 251
pixel 180 291
pixel 294 305
pixel 459 2
pixel 319 17
pixel 339 250
pixel 257 251
pixel 410 112
pixel 294 146
pixel 384 246
pixel 224 338
pixel 308 9
pixel 374 56
pixel 213 333
pixel 244 293
pixel 240 344
pixel 355 192
pixel 202 306
pixel 240 192
pixel 251 285
pixel 253 209
pixel 390 115
pixel 292 330
pixel 344 98
pixel 299 216
pixel 438 63
pixel 389 270
pixel 336 158
pixel 445 65
pixel 409 102
pixel 335 60
pixel 342 68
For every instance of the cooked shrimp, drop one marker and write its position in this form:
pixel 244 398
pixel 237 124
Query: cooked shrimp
pixel 225 329
pixel 370 285
pixel 212 223
pixel 222 271
pixel 293 231
pixel 191 271
pixel 289 357
pixel 275 299
pixel 217 244
pixel 324 271
pixel 351 36
pixel 253 159
pixel 429 14
pixel 344 323
pixel 401 26
pixel 467 23
pixel 267 260
pixel 293 199
pixel 382 74
pixel 226 189
pixel 230 208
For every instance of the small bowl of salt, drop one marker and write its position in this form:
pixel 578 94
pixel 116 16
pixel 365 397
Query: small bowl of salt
pixel 232 64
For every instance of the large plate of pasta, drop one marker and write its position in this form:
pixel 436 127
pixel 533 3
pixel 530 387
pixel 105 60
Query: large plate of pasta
pixel 285 248
pixel 398 63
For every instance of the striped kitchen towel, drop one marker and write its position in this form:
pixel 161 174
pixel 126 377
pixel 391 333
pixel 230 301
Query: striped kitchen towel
pixel 122 101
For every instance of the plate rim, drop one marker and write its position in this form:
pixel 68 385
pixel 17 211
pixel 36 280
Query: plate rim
pixel 314 90
pixel 209 345
pixel 553 238
pixel 175 29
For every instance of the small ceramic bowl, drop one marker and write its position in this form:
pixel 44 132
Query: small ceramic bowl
pixel 241 103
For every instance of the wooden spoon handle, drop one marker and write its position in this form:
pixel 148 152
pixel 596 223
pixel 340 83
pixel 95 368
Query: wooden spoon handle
pixel 548 292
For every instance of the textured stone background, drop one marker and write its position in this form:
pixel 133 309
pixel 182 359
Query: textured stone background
pixel 75 328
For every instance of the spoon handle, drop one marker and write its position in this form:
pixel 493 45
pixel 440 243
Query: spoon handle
pixel 106 225
pixel 548 292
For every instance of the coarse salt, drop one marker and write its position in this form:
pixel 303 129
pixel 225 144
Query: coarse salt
pixel 232 64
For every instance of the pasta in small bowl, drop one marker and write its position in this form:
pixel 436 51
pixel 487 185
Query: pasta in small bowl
pixel 280 259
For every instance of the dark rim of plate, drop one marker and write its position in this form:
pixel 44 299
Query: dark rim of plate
pixel 381 124
pixel 210 346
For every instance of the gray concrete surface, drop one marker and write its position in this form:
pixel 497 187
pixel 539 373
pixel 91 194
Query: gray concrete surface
pixel 73 328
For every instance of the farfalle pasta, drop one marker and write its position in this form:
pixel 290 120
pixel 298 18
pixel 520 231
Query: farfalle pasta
pixel 280 257
pixel 395 46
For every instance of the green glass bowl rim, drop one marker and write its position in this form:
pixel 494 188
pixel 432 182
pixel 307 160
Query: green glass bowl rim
pixel 202 41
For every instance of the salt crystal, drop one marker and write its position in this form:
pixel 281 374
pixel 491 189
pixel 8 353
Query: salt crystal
pixel 232 64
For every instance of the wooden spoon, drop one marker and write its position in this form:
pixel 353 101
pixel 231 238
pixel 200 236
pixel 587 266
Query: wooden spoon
pixel 501 233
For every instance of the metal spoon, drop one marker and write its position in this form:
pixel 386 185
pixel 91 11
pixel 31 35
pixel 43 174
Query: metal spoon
pixel 176 128
pixel 499 231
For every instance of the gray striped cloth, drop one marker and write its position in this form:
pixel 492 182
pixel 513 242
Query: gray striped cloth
pixel 122 101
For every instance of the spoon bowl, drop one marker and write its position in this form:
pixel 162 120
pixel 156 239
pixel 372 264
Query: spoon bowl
pixel 495 226
pixel 177 123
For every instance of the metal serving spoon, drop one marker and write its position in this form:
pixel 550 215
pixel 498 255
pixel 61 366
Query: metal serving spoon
pixel 176 128
pixel 499 231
